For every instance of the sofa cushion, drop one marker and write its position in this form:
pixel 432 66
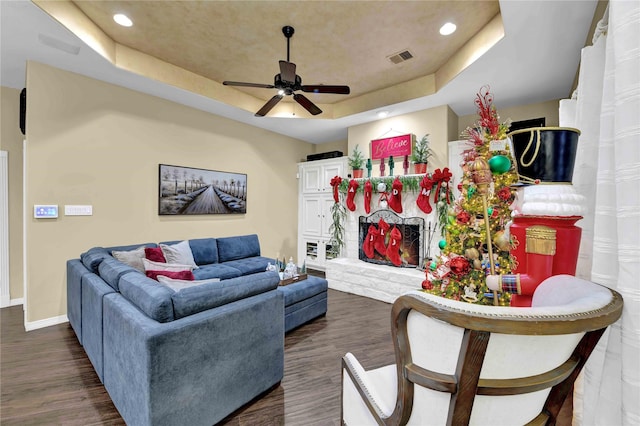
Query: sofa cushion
pixel 178 285
pixel 148 295
pixel 111 270
pixel 130 247
pixel 250 265
pixel 204 250
pixel 233 248
pixel 132 258
pixel 150 265
pixel 181 275
pixel 154 254
pixel 93 257
pixel 207 296
pixel 294 293
pixel 178 253
pixel 223 272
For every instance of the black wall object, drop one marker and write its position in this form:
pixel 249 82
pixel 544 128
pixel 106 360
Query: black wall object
pixel 324 155
pixel 23 111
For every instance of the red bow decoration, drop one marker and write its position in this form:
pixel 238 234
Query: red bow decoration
pixel 446 176
pixel 335 182
pixel 437 178
pixel 440 176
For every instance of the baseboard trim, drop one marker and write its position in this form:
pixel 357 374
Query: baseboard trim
pixel 47 322
pixel 14 302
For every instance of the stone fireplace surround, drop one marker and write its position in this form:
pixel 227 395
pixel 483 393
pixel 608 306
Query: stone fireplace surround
pixel 381 282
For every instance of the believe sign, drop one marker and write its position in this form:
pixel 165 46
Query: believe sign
pixel 397 146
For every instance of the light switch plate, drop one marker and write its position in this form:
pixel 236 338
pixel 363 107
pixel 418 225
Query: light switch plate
pixel 45 211
pixel 78 210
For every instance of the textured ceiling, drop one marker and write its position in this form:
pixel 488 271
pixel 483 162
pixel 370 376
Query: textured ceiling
pixel 335 42
pixel 529 53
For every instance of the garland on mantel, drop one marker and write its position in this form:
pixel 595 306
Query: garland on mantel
pixel 409 183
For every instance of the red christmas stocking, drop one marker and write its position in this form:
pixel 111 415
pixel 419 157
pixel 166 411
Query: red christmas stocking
pixel 423 198
pixel 368 188
pixel 393 249
pixel 369 241
pixel 395 201
pixel 351 193
pixel 379 244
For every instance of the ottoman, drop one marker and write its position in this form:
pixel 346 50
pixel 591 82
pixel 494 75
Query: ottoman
pixel 304 301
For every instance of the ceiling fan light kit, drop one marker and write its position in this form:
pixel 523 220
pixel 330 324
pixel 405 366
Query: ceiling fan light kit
pixel 288 82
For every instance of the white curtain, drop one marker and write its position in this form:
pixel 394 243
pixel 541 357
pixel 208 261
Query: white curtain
pixel 607 172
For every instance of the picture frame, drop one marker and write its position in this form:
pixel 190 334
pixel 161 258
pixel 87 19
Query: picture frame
pixel 193 191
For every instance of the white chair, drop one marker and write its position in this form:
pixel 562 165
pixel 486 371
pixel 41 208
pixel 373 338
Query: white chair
pixel 459 364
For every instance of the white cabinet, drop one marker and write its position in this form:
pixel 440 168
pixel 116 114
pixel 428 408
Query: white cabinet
pixel 315 176
pixel 315 199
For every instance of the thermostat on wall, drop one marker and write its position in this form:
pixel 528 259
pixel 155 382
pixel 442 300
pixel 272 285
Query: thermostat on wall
pixel 48 211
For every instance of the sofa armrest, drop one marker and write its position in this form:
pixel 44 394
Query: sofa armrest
pixel 195 370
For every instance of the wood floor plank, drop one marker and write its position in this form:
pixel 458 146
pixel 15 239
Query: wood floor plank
pixel 46 378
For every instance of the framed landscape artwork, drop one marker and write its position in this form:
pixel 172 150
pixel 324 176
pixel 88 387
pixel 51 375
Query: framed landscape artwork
pixel 187 191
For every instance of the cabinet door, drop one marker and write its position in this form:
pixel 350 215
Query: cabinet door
pixel 325 216
pixel 329 171
pixel 311 179
pixel 312 221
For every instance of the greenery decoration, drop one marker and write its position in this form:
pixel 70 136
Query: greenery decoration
pixel 338 215
pixel 421 151
pixel 356 160
pixel 409 183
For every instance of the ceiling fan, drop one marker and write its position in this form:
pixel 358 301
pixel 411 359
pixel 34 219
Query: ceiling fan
pixel 288 82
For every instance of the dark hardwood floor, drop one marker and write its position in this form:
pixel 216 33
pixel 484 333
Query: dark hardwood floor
pixel 46 378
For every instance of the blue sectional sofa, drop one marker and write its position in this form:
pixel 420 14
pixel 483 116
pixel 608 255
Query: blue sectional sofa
pixel 195 355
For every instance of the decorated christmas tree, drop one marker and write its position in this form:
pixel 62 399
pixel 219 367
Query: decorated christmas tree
pixel 467 252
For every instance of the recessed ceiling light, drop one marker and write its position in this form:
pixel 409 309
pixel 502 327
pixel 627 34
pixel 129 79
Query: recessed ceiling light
pixel 122 20
pixel 448 28
pixel 382 114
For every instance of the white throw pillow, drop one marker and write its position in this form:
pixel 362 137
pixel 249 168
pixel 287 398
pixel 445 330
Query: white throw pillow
pixel 177 285
pixel 179 253
pixel 132 258
pixel 150 265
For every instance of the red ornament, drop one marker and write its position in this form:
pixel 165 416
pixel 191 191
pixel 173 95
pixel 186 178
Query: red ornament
pixel 463 217
pixel 459 266
pixel 504 194
pixel 427 284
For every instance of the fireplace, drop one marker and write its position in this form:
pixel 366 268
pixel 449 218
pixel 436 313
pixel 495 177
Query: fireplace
pixel 411 243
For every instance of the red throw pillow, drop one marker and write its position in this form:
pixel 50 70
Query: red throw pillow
pixel 178 275
pixel 154 254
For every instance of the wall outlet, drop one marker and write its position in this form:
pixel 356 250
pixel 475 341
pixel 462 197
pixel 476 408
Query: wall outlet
pixel 70 210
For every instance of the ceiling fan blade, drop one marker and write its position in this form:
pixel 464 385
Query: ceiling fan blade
pixel 307 104
pixel 322 88
pixel 268 106
pixel 240 83
pixel 288 71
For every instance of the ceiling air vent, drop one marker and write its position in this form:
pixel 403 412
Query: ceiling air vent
pixel 396 58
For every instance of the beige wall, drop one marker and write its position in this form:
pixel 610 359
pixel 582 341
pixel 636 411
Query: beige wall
pixel 11 141
pixel 341 146
pixel 94 143
pixel 433 121
pixel 549 110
